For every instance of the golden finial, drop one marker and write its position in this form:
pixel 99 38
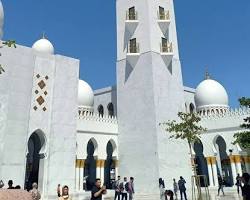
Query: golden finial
pixel 207 75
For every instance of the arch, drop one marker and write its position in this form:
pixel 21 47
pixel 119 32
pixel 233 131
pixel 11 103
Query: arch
pixel 110 108
pixel 100 110
pixel 109 166
pixel 223 161
pixel 191 108
pixel 90 164
pixel 201 163
pixel 186 107
pixel 36 151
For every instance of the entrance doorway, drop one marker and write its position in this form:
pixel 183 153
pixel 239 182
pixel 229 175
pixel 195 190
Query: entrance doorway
pixel 36 143
pixel 109 168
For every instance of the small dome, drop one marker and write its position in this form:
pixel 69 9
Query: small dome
pixel 43 46
pixel 85 94
pixel 1 19
pixel 210 93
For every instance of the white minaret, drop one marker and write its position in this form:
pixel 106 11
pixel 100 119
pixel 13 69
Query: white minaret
pixel 149 91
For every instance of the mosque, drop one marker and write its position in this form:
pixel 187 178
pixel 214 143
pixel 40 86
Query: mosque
pixel 55 129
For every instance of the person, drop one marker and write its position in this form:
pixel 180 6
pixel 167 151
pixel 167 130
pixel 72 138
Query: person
pixel 221 184
pixel 170 194
pixel 182 187
pixel 34 192
pixel 17 187
pixel 246 187
pixel 162 189
pixel 10 184
pixel 117 188
pixel 238 183
pixel 58 190
pixel 123 190
pixel 97 190
pixel 1 184
pixel 65 193
pixel 131 190
pixel 175 187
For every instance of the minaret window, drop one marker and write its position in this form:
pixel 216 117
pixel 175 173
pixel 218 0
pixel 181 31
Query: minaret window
pixel 166 47
pixel 133 46
pixel 132 13
pixel 161 13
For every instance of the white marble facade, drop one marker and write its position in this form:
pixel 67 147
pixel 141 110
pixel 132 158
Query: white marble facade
pixel 55 129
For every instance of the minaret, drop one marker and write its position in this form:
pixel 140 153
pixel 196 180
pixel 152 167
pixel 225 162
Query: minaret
pixel 149 91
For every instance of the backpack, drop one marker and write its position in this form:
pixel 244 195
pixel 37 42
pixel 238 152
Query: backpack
pixel 126 187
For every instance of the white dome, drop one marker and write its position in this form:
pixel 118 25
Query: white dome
pixel 210 93
pixel 1 19
pixel 85 94
pixel 43 46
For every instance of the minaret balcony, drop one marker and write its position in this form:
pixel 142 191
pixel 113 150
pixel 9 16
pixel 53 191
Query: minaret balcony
pixel 164 21
pixel 166 50
pixel 133 54
pixel 131 21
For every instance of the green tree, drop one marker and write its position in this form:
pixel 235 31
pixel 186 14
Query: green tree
pixel 8 43
pixel 243 138
pixel 188 129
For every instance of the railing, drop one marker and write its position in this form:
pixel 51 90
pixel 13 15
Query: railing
pixel 133 49
pixel 167 48
pixel 131 16
pixel 164 15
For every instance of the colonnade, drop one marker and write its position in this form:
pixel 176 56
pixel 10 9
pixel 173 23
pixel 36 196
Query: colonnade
pixel 236 162
pixel 100 167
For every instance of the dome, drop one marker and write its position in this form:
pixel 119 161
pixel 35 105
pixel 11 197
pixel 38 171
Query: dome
pixel 1 19
pixel 85 94
pixel 43 46
pixel 210 93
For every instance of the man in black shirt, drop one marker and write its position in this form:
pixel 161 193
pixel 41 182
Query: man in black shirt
pixel 98 191
pixel 246 187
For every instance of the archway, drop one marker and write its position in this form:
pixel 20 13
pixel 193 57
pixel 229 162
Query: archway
pixel 201 163
pixel 109 167
pixel 191 108
pixel 90 165
pixel 36 144
pixel 223 161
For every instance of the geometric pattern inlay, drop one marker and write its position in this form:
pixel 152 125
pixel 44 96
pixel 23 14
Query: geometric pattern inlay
pixel 41 84
pixel 40 100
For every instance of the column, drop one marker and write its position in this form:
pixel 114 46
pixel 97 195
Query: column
pixel 116 168
pixel 77 179
pixel 237 159
pixel 215 173
pixel 247 163
pixel 81 171
pixel 98 170
pixel 102 170
pixel 210 172
pixel 233 167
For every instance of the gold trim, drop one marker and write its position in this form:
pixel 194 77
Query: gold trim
pixel 213 160
pixel 209 160
pixel 237 159
pixel 232 160
pixel 116 163
pixel 246 159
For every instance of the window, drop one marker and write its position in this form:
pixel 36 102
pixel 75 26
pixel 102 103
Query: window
pixel 110 109
pixel 131 13
pixel 161 13
pixel 100 110
pixel 132 46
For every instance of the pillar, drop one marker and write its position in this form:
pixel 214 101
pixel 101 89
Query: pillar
pixel 210 172
pixel 77 174
pixel 247 163
pixel 98 170
pixel 102 170
pixel 81 171
pixel 233 167
pixel 116 168
pixel 237 159
pixel 214 169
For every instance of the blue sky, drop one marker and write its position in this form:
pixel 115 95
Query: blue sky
pixel 213 35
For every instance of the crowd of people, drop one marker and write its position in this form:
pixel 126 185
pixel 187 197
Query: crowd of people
pixel 124 189
pixel 35 194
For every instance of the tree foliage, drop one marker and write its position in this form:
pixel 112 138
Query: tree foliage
pixel 243 138
pixel 8 43
pixel 187 129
